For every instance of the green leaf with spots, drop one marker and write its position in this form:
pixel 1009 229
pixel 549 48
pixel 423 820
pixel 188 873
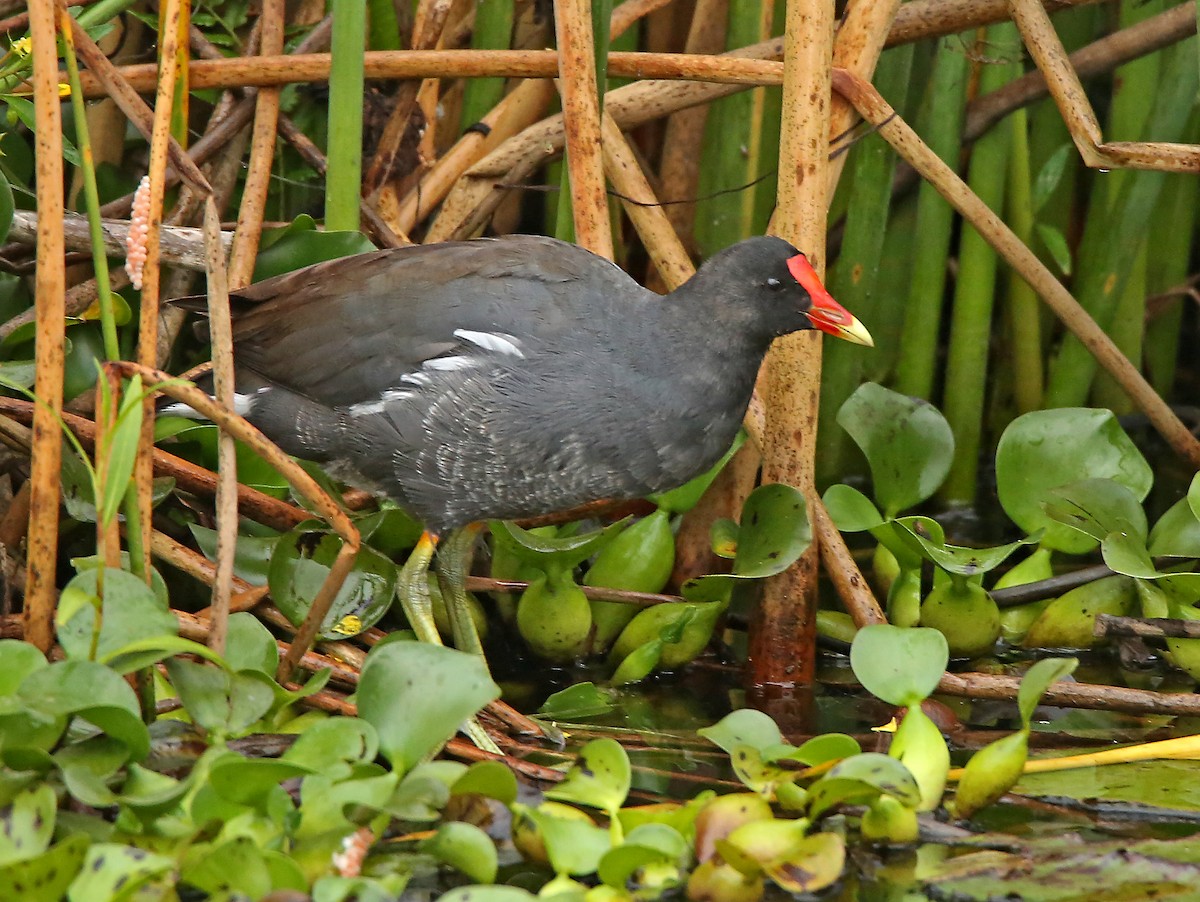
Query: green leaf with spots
pixel 901 666
pixel 907 442
pixel 600 777
pixel 46 877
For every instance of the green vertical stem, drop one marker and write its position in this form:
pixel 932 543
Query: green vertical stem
pixel 384 27
pixel 1024 308
pixel 91 194
pixel 1167 269
pixel 853 279
pixel 723 215
pixel 343 181
pixel 493 31
pixel 1134 85
pixel 941 127
pixel 1109 246
pixel 974 294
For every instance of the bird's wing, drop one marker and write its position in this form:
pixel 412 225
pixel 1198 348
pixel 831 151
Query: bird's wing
pixel 349 330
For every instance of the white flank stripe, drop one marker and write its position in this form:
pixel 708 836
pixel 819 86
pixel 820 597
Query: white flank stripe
pixel 448 363
pixel 500 342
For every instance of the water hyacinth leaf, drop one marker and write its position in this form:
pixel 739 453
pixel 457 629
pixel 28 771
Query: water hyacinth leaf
pixel 558 551
pixel 577 701
pixel 465 848
pixel 764 841
pixel 724 814
pixel 299 566
pixel 93 692
pixel 572 846
pixel 1068 621
pixel 300 244
pixel 234 866
pixel 918 745
pixel 1037 679
pixel 17 660
pixel 757 774
pixel 907 442
pixel 898 665
pixel 331 746
pixel 144 652
pixel 1046 449
pixel 251 554
pixel 599 778
pixel 955 558
pixel 249 645
pixel 113 871
pixel 746 726
pixel 647 844
pixel 1193 495
pixel 416 696
pixel 1177 532
pixel 490 779
pixel 639 663
pixel 1126 553
pixel 17 374
pixel 28 824
pixel 774 531
pixel 389 530
pixel 881 772
pixel 1097 507
pixel 131 611
pixel 49 875
pixel 850 509
pixel 248 781
pixel 991 772
pixel 818 750
pixel 816 864
pixel 684 498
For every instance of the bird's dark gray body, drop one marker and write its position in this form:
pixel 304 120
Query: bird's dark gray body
pixel 505 378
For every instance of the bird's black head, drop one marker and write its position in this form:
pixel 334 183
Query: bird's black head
pixel 778 285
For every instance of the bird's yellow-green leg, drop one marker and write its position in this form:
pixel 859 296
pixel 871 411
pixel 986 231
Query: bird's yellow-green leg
pixel 413 589
pixel 453 564
pixel 418 607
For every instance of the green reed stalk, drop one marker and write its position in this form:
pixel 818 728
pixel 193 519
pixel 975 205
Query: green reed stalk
pixel 493 31
pixel 343 181
pixel 975 291
pixel 941 123
pixel 1168 268
pixel 1110 246
pixel 853 278
pixel 1024 308
pixel 383 25
pixel 729 159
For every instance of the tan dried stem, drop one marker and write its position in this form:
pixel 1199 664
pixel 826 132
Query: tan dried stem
pixel 581 117
pixel 49 290
pixel 324 506
pixel 908 145
pixel 262 154
pixel 188 476
pixel 679 169
pixel 1100 56
pixel 400 64
pixel 860 40
pixel 783 630
pixel 170 17
pixel 1063 81
pixel 519 109
pixel 484 185
pixel 658 236
pixel 842 569
pixel 919 19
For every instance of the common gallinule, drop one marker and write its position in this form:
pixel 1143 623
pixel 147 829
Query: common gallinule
pixel 511 377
